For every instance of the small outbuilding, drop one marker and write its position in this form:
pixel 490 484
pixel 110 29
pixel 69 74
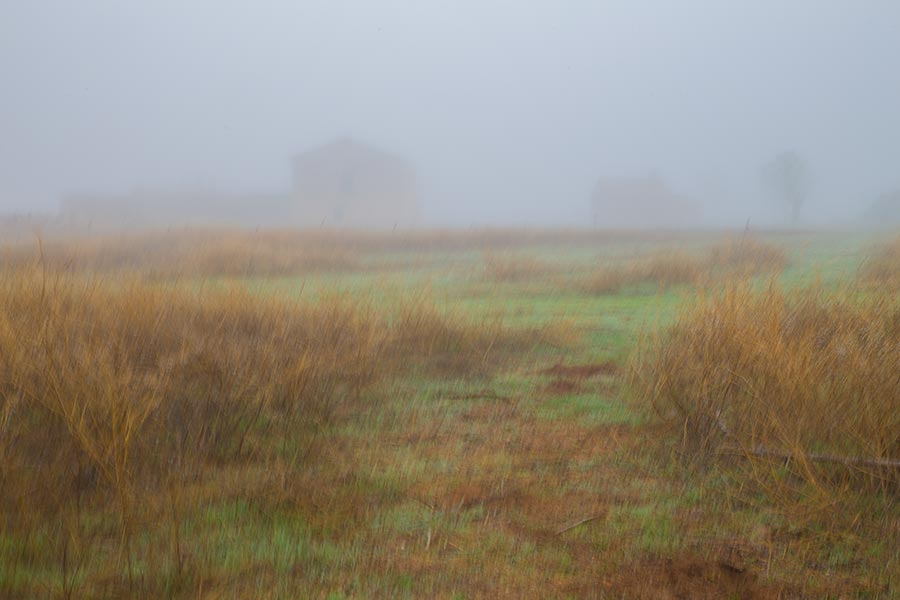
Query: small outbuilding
pixel 640 202
pixel 172 206
pixel 884 211
pixel 346 183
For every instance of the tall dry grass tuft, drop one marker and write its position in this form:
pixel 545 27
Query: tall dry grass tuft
pixel 748 255
pixel 197 253
pixel 881 269
pixel 109 389
pixel 236 252
pixel 458 344
pixel 661 269
pixel 118 394
pixel 804 384
pixel 739 256
pixel 513 268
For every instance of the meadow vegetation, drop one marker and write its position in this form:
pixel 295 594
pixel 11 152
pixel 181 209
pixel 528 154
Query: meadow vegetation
pixel 323 414
pixel 120 396
pixel 238 253
pixel 881 269
pixel 747 255
pixel 742 256
pixel 194 253
pixel 801 384
pixel 515 268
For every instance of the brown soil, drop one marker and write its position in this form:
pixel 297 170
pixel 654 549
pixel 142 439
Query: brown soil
pixel 687 577
pixel 525 478
pixel 582 371
pixel 559 387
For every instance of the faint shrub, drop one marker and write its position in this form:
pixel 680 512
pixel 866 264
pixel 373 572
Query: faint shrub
pixel 423 333
pixel 741 256
pixel 110 389
pixel 748 255
pixel 514 268
pixel 660 269
pixel 195 253
pixel 115 392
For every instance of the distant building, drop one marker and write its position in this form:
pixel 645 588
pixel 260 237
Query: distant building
pixel 346 183
pixel 164 207
pixel 884 211
pixel 341 184
pixel 640 202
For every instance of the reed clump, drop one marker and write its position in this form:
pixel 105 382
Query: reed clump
pixel 192 253
pixel 803 384
pixel 514 268
pixel 660 269
pixel 114 393
pixel 739 256
pixel 108 388
pixel 233 252
pixel 747 255
pixel 881 269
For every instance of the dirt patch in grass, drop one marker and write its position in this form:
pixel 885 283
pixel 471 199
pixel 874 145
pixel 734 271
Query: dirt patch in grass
pixel 585 371
pixel 684 577
pixel 531 473
pixel 562 387
pixel 486 493
pixel 492 411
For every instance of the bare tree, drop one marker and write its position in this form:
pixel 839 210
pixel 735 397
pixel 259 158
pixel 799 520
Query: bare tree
pixel 786 177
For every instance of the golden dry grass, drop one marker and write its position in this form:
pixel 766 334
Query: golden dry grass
pixel 112 389
pixel 803 385
pixel 663 269
pixel 194 253
pixel 506 267
pixel 120 396
pixel 881 269
pixel 163 438
pixel 748 255
pixel 237 252
pixel 745 255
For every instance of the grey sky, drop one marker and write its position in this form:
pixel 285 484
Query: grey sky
pixel 511 110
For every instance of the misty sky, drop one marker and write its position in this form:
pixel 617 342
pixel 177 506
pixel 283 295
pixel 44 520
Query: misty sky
pixel 510 110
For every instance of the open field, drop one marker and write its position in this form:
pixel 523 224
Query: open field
pixel 218 414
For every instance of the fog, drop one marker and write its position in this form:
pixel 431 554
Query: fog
pixel 509 111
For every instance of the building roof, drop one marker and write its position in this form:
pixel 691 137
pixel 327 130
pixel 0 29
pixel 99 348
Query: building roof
pixel 349 150
pixel 641 201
